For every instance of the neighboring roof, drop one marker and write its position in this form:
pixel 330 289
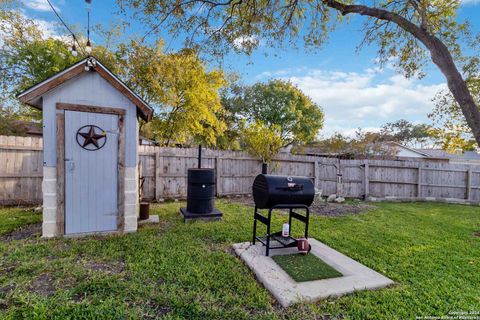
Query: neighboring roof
pixel 153 142
pixel 418 151
pixel 30 127
pixel 31 95
pixel 467 155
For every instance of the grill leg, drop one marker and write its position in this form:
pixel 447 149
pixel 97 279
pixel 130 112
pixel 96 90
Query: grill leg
pixel 290 222
pixel 307 211
pixel 267 249
pixel 254 226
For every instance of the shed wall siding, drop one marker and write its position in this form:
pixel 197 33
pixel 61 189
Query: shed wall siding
pixel 88 89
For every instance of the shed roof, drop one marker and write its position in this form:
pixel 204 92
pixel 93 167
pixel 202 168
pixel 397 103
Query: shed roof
pixel 32 95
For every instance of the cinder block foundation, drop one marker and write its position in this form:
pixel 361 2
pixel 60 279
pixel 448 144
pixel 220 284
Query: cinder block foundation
pixel 49 190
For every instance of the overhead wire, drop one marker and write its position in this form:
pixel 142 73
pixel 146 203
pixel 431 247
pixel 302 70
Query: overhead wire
pixel 66 26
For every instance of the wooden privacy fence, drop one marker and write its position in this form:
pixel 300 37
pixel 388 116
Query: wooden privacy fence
pixel 388 179
pixel 165 172
pixel 21 170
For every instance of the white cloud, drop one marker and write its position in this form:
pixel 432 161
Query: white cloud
pixel 470 2
pixel 241 43
pixel 365 99
pixel 39 5
pixel 49 29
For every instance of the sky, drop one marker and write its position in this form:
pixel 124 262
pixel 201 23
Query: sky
pixel 349 86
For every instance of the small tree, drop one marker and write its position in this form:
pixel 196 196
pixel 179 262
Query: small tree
pixel 263 142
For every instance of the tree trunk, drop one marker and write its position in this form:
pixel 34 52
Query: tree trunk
pixel 443 59
pixel 439 53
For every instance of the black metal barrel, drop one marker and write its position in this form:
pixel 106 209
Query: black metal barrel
pixel 270 190
pixel 200 190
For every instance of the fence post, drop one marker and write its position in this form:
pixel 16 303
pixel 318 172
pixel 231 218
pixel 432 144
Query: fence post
pixel 315 173
pixel 469 183
pixel 366 182
pixel 157 175
pixel 218 175
pixel 339 188
pixel 419 181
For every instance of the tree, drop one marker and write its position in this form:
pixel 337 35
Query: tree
pixel 451 129
pixel 369 143
pixel 230 114
pixel 411 31
pixel 261 141
pixel 188 96
pixel 277 103
pixel 25 58
pixel 28 57
pixel 407 133
pixel 10 123
pixel 335 144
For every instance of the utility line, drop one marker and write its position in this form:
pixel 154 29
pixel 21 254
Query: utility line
pixel 66 26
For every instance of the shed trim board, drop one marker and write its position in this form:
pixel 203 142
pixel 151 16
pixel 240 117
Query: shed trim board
pixel 61 211
pixel 121 174
pixel 31 95
pixel 60 219
pixel 88 108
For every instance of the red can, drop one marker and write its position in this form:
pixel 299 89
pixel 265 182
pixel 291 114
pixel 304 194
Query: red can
pixel 303 246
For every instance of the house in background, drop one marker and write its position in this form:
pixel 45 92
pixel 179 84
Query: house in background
pixel 396 151
pixel 22 128
pixel 142 141
pixel 405 153
pixel 401 152
pixel 467 157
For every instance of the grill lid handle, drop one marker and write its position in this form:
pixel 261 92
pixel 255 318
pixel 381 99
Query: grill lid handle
pixel 291 186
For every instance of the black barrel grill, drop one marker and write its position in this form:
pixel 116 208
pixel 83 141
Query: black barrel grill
pixel 281 192
pixel 200 190
pixel 200 195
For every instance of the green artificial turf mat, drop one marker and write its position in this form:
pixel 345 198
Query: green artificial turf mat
pixel 305 267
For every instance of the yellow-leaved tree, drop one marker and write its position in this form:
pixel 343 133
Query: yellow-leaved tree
pixel 186 95
pixel 263 142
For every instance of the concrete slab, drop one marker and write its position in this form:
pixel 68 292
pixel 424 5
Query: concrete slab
pixel 356 276
pixel 151 220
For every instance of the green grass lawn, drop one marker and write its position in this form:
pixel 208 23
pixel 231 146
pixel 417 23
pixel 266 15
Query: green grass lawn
pixel 177 271
pixel 12 219
pixel 305 267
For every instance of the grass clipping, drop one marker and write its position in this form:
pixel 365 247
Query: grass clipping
pixel 305 267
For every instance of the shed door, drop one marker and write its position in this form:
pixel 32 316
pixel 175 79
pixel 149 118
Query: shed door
pixel 91 154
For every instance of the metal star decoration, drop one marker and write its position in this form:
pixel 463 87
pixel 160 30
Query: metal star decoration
pixel 91 137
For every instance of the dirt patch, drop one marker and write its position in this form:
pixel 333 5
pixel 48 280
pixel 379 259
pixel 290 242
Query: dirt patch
pixel 26 232
pixel 340 209
pixel 104 267
pixel 319 207
pixel 157 309
pixel 6 289
pixel 150 309
pixel 43 285
pixel 476 233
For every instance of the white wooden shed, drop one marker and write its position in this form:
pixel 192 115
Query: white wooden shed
pixel 90 131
